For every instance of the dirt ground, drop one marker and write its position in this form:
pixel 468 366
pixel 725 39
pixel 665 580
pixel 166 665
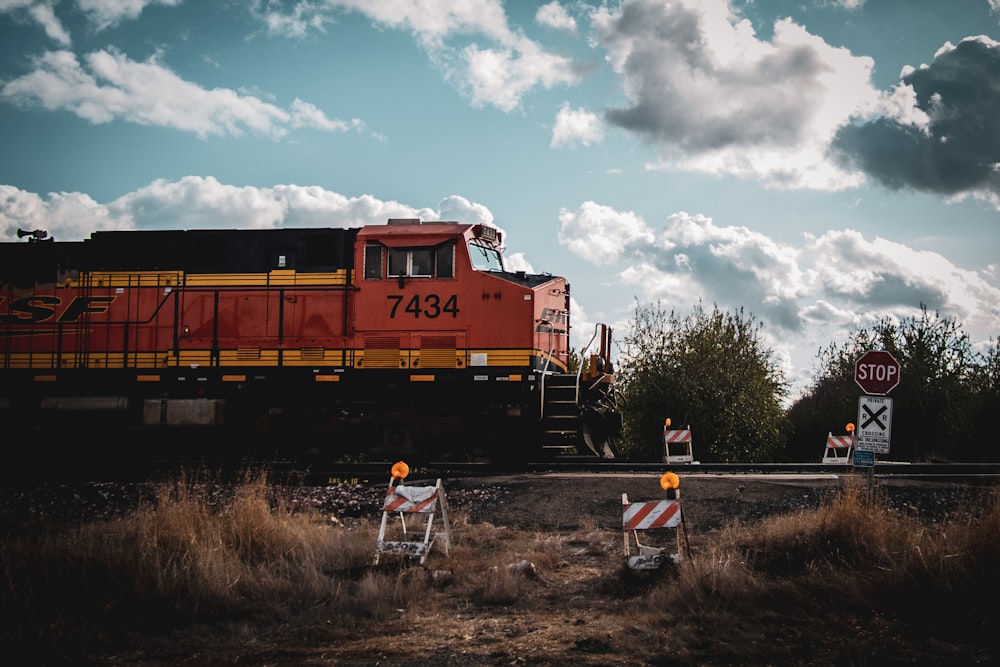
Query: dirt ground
pixel 570 612
pixel 566 501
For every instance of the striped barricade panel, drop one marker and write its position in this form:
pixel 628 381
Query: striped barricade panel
pixel 411 499
pixel 427 501
pixel 839 441
pixel 674 436
pixel 649 515
pixel 838 448
pixel 677 440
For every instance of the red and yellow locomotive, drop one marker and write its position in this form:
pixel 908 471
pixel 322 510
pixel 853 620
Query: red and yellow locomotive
pixel 404 339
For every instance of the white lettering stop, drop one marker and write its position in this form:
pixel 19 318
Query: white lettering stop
pixel 877 372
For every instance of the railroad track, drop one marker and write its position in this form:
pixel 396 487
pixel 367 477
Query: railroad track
pixel 379 471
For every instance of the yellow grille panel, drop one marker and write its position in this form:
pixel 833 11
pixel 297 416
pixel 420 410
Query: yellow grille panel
pixel 437 359
pixel 381 359
pixel 127 279
pixel 280 278
pixel 380 352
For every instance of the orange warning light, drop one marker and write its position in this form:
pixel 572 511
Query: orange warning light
pixel 669 481
pixel 850 427
pixel 667 422
pixel 400 470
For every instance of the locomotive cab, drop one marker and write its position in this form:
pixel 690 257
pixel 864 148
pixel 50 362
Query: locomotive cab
pixel 436 298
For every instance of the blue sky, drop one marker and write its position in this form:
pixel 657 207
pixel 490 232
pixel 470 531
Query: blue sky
pixel 820 164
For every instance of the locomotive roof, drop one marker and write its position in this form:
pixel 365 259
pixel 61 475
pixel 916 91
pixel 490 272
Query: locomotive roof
pixel 401 232
pixel 199 250
pixel 524 278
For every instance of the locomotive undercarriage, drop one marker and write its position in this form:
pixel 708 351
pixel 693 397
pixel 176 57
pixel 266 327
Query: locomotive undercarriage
pixel 370 416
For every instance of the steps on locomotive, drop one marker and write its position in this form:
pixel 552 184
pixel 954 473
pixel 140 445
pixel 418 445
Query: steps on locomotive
pixel 561 416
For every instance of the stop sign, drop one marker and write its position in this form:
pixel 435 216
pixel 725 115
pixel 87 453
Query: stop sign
pixel 876 372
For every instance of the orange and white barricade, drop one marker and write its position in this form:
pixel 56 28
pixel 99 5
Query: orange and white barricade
pixel 425 501
pixel 677 445
pixel 838 448
pixel 653 515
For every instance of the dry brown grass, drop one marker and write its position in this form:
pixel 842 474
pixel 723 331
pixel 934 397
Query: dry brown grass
pixel 853 568
pixel 784 590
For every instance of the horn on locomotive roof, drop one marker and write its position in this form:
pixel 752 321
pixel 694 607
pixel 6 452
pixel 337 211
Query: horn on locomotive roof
pixel 35 235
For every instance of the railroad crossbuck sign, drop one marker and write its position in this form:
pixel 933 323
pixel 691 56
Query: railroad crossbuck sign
pixel 876 372
pixel 874 424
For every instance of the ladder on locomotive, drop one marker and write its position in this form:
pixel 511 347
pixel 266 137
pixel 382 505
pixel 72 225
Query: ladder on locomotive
pixel 561 413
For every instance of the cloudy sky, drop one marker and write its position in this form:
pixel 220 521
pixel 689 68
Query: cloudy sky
pixel 819 163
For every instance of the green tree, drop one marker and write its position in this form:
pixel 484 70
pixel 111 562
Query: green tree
pixel 573 361
pixel 708 370
pixel 942 393
pixel 986 389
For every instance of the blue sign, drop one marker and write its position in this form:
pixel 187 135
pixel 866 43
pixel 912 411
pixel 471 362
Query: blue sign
pixel 864 459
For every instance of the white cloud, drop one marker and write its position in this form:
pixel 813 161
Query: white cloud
pixel 498 73
pixel 431 21
pixel 53 27
pixel 63 215
pixel 555 16
pixel 600 234
pixel 107 13
pixel 461 209
pixel 40 13
pixel 109 86
pixel 576 126
pixel 716 99
pixel 298 22
pixel 305 114
pixel 806 296
pixel 501 77
pixel 195 202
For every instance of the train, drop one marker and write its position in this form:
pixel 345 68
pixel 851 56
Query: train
pixel 405 339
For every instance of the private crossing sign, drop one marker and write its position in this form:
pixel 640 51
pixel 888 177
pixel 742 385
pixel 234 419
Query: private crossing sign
pixel 874 424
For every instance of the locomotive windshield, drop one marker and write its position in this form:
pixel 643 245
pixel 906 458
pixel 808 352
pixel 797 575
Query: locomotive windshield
pixel 485 258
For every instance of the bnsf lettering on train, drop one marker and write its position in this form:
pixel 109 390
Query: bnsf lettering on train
pixel 429 305
pixel 552 320
pixel 32 309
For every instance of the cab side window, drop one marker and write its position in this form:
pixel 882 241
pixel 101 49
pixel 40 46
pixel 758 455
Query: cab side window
pixel 444 258
pixel 420 262
pixel 373 262
pixel 398 262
